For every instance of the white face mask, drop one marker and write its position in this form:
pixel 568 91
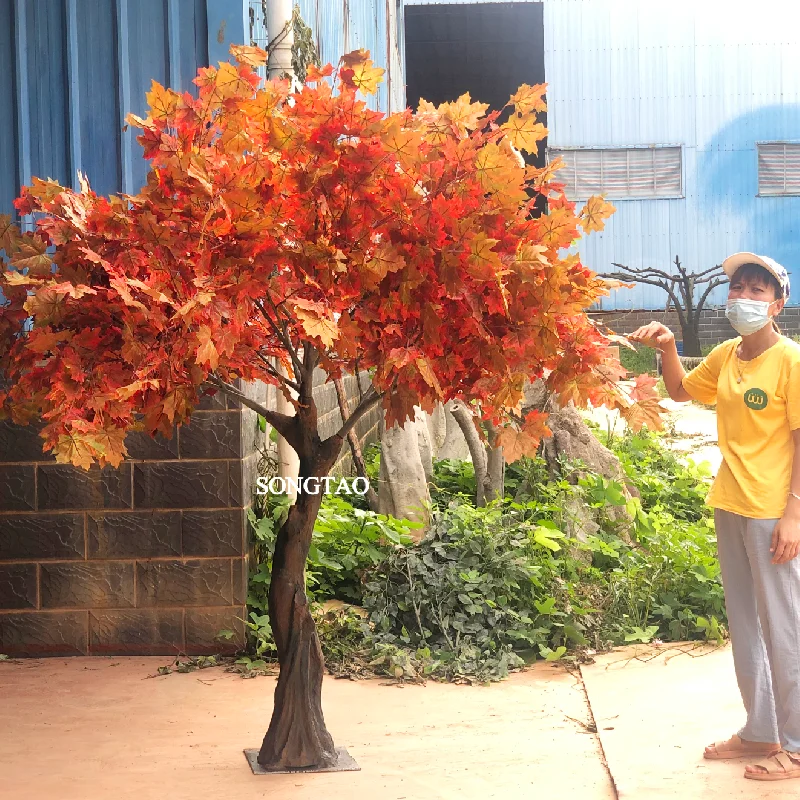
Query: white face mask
pixel 748 316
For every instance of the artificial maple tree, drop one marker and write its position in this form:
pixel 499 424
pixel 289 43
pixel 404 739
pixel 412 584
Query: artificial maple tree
pixel 303 227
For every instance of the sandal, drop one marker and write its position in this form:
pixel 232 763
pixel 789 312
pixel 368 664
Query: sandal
pixel 779 767
pixel 736 747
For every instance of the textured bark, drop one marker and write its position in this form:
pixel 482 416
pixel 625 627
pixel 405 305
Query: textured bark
pixel 297 736
pixel 426 448
pixel 573 440
pixel 403 487
pixel 454 445
pixel 495 467
pixel 487 459
pixel 437 428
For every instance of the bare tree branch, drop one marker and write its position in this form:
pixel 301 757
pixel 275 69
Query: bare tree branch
pixel 371 397
pixel 710 288
pixel 285 425
pixel 355 445
pixel 281 333
pixel 682 284
pixel 285 380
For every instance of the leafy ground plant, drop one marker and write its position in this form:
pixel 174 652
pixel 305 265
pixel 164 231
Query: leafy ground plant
pixel 489 589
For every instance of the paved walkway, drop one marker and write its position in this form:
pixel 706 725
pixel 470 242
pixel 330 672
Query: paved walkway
pixel 97 729
pixel 655 715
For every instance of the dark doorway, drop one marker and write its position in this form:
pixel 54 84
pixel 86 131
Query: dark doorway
pixel 486 49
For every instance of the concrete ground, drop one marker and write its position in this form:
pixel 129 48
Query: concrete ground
pixel 655 715
pixel 98 729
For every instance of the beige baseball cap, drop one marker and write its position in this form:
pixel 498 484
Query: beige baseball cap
pixel 732 263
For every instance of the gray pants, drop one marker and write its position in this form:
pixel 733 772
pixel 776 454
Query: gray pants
pixel 763 603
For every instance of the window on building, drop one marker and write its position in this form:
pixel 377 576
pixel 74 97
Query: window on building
pixel 778 168
pixel 622 173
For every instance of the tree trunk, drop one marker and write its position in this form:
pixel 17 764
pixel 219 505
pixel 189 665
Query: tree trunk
pixel 487 460
pixel 403 486
pixel 297 736
pixel 454 446
pixel 691 341
pixel 495 467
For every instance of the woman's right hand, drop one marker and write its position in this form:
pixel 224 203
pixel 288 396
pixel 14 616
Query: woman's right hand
pixel 656 334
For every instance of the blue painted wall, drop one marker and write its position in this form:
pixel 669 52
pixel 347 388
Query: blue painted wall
pixel 714 77
pixel 70 70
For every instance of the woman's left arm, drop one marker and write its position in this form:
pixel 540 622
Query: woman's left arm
pixel 786 537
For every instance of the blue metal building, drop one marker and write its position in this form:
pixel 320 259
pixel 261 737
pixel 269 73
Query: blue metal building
pixel 70 71
pixel 687 115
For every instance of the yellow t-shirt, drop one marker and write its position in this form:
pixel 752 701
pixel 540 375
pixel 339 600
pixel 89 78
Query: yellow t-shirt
pixel 755 420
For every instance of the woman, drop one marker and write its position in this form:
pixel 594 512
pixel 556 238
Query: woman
pixel 755 382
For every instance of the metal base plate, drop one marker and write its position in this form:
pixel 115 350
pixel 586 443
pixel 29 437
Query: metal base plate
pixel 344 763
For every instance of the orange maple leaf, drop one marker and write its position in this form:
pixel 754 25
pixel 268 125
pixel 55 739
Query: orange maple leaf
pixel 314 74
pixel 247 54
pixel 206 350
pixel 361 72
pixel 483 262
pixel 315 321
pixel 524 132
pixel 161 102
pixel 385 259
pixel 645 412
pixel 524 442
pixel 594 214
pixel 76 449
pixel 529 98
pixel 644 388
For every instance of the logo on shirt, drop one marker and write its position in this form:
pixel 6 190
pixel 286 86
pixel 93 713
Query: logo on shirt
pixel 755 399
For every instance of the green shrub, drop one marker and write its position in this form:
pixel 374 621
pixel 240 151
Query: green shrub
pixel 452 480
pixel 473 592
pixel 638 361
pixel 489 589
pixel 663 480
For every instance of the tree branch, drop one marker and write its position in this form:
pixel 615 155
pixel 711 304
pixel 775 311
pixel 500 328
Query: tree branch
pixel 644 270
pixel 282 335
pixel 718 269
pixel 284 379
pixel 355 445
pixel 284 424
pixel 707 292
pixel 370 398
pixel 477 450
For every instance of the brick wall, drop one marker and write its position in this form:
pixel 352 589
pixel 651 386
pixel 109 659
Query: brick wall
pixel 714 327
pixel 150 558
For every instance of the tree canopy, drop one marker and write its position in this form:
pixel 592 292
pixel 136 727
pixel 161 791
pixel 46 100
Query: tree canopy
pixel 276 221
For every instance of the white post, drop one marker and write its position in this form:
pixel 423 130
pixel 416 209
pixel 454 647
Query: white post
pixel 288 460
pixel 280 34
pixel 279 27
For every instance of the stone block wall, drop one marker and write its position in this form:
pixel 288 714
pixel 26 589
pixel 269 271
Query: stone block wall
pixel 150 558
pixel 714 327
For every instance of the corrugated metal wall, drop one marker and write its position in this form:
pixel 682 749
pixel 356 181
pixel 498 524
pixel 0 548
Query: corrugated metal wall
pixel 70 70
pixel 340 26
pixel 715 77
